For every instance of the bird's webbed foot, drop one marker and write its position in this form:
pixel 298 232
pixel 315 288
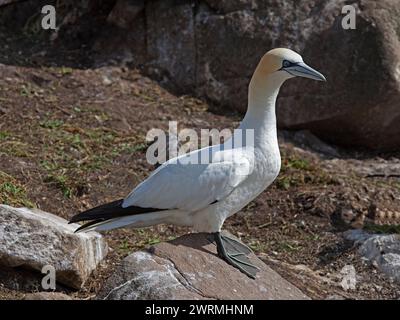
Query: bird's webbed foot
pixel 235 253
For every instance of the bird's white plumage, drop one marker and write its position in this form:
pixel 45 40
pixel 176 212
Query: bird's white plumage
pixel 184 185
pixel 203 195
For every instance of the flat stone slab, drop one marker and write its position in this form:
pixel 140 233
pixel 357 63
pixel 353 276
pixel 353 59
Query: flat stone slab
pixel 189 268
pixel 32 239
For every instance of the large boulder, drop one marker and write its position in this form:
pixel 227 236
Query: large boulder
pixel 33 239
pixel 188 268
pixel 211 48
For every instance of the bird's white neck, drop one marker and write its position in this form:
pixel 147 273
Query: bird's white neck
pixel 260 116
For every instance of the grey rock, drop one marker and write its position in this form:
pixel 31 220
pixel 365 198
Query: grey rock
pixel 188 268
pixel 170 42
pixel 357 235
pixel 124 13
pixel 358 104
pixel 211 48
pixel 32 239
pixel 226 6
pixel 382 251
pixel 306 139
pixel 21 279
pixel 6 2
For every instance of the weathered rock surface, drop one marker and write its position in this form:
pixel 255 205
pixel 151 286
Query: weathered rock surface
pixel 188 268
pixel 124 12
pixel 5 2
pixel 33 239
pixel 383 251
pixel 211 48
pixel 47 296
pixel 21 279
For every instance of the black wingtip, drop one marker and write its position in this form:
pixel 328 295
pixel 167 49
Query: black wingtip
pixel 72 220
pixel 79 229
pixel 102 211
pixel 111 210
pixel 88 224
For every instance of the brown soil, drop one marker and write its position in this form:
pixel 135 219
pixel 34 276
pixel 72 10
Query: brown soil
pixel 72 138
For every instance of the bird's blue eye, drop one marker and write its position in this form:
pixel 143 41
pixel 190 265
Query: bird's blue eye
pixel 286 64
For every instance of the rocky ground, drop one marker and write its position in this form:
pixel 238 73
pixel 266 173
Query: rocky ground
pixel 72 137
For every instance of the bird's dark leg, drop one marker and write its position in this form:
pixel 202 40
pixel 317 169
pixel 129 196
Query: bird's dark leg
pixel 235 253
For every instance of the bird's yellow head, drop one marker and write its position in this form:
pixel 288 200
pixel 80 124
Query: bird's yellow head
pixel 288 64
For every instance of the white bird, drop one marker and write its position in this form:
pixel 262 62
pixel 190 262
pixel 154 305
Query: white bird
pixel 203 195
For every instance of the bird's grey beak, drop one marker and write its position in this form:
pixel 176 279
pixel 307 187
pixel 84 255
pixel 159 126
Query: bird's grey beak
pixel 302 70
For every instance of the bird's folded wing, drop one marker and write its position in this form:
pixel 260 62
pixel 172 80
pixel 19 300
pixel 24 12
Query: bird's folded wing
pixel 190 187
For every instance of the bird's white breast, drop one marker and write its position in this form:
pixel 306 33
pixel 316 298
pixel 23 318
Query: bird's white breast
pixel 266 169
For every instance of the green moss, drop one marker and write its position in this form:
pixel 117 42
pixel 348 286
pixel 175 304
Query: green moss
pixel 383 229
pixel 153 241
pixel 51 124
pixel 15 148
pixel 296 172
pixel 13 192
pixel 295 163
pixel 4 135
pixel 65 70
pixel 60 182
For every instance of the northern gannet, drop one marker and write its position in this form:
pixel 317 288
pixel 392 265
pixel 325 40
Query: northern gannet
pixel 202 196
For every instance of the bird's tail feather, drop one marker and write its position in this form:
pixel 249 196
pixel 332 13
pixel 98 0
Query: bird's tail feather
pixel 113 215
pixel 135 221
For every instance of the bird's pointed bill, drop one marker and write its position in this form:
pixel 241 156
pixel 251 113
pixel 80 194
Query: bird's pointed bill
pixel 305 71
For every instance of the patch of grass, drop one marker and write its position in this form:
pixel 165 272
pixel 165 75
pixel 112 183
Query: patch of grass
pixel 12 192
pixel 144 238
pixel 4 135
pixel 257 246
pixel 284 183
pixel 15 148
pixel 295 163
pixel 296 172
pixel 383 229
pixel 60 182
pixel 29 91
pixel 129 148
pixel 286 246
pixel 153 240
pixel 51 124
pixel 65 70
pixel 125 247
pixel 69 152
pixel 314 237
